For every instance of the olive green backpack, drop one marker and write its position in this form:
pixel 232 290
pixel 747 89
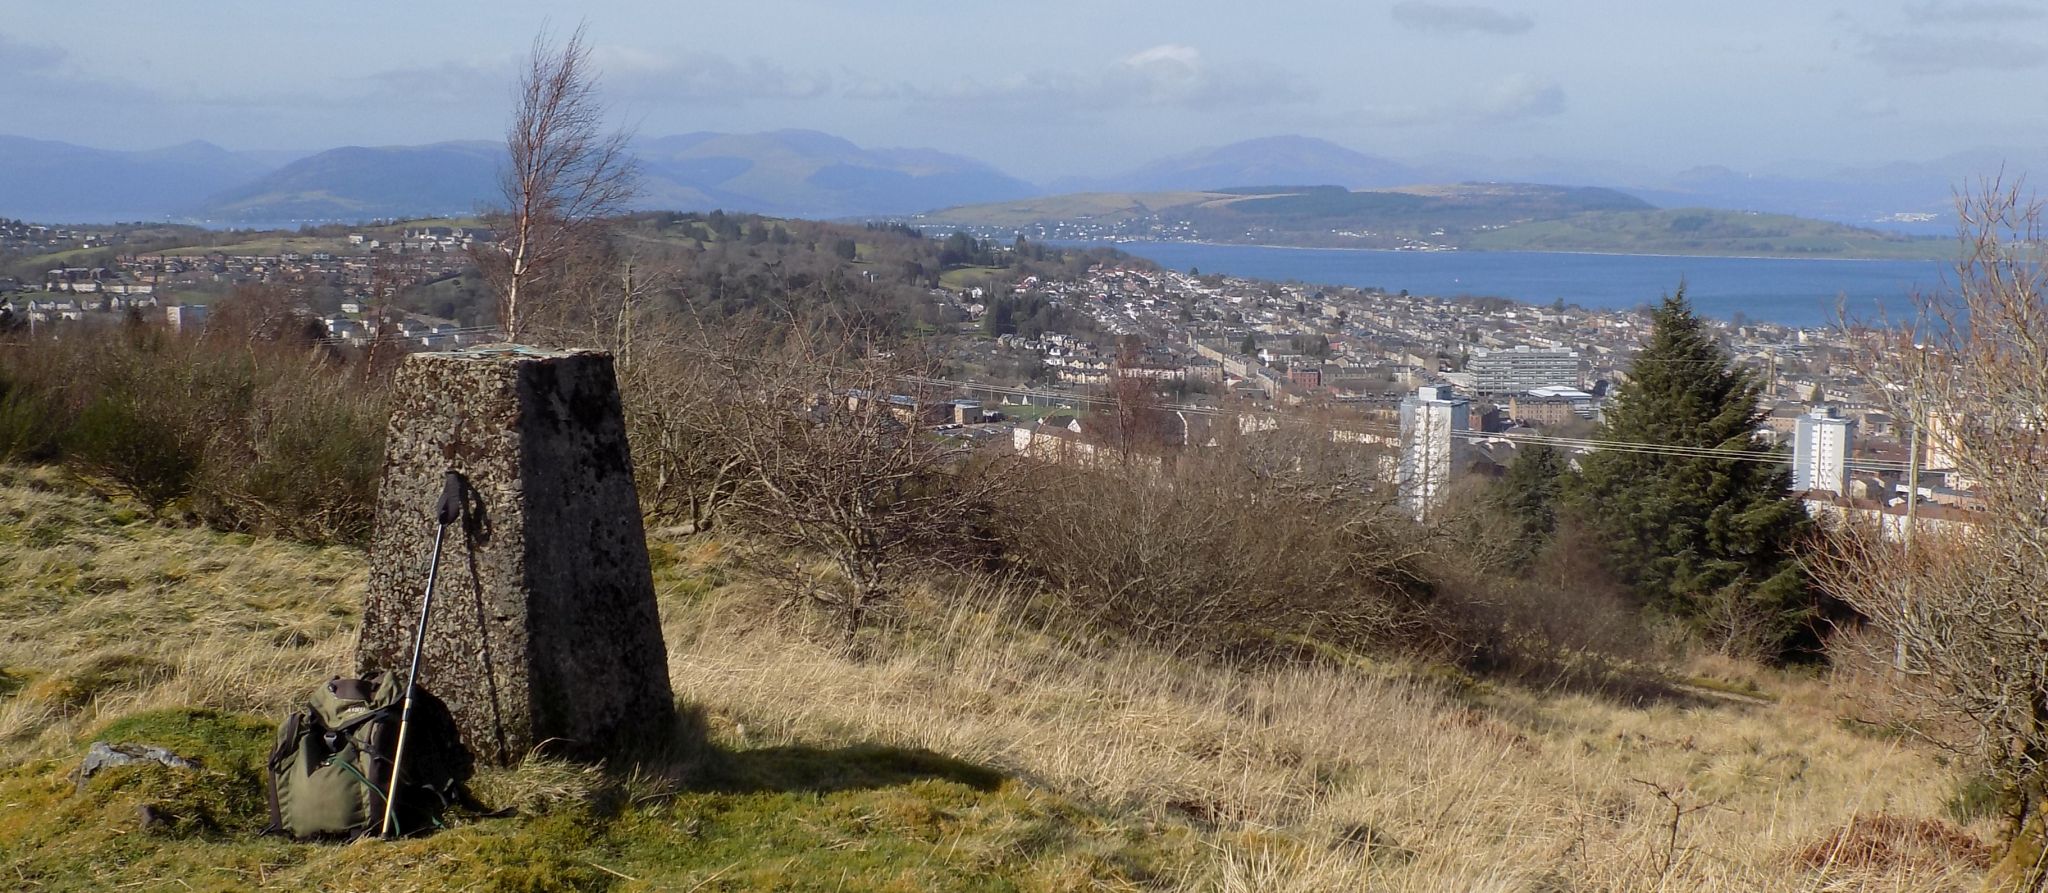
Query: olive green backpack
pixel 332 764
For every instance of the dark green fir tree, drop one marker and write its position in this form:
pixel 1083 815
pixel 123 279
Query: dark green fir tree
pixel 1527 497
pixel 1706 539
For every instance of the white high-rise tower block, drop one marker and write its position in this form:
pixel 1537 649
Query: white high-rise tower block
pixel 1432 423
pixel 1820 451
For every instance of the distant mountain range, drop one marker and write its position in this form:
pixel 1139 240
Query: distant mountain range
pixel 47 180
pixel 811 174
pixel 1890 195
pixel 793 173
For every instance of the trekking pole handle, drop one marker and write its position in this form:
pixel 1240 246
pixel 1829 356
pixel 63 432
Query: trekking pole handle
pixel 450 508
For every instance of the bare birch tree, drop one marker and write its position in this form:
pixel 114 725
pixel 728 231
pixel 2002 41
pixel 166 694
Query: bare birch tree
pixel 564 175
pixel 1970 605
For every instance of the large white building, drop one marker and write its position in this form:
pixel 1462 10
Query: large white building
pixel 1432 424
pixel 1820 451
pixel 1525 369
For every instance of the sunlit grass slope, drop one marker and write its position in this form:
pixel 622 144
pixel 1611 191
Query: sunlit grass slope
pixel 968 751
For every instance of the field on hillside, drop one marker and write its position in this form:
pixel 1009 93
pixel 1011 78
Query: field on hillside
pixel 1099 206
pixel 271 245
pixel 971 750
pixel 1708 231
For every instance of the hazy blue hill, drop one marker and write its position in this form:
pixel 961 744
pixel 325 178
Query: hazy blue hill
pixel 355 182
pixel 1312 208
pixel 1849 193
pixel 1468 204
pixel 1707 231
pixel 1485 216
pixel 1275 159
pixel 804 172
pixel 56 181
pixel 789 172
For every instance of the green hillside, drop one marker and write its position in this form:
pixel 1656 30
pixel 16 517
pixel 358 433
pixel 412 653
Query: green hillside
pixel 1471 216
pixel 361 182
pixel 1103 206
pixel 1707 231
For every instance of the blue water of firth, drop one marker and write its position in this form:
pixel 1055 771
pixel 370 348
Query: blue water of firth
pixel 1785 291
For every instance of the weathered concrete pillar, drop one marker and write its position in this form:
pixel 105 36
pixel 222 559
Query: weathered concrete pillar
pixel 544 626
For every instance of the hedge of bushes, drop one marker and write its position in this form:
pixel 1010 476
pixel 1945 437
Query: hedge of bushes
pixel 275 435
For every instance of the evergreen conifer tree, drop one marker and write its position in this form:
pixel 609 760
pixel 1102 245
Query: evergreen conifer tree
pixel 1527 495
pixel 1705 539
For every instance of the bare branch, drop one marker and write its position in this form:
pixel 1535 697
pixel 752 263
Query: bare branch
pixel 564 176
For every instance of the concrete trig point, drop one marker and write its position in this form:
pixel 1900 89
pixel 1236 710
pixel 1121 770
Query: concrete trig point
pixel 544 626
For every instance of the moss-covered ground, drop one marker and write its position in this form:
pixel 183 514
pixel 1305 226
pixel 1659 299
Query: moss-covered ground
pixel 111 623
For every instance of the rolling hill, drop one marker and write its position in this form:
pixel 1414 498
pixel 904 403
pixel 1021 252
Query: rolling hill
pixel 793 173
pixel 1708 231
pixel 1475 216
pixel 805 173
pixel 63 183
pixel 796 173
pixel 357 182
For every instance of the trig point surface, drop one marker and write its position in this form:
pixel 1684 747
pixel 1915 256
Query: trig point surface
pixel 544 626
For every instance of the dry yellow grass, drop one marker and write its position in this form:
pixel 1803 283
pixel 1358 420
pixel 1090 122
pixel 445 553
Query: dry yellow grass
pixel 103 615
pixel 1326 778
pixel 1289 779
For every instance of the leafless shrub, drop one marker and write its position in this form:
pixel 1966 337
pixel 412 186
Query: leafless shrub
pixel 1243 546
pixel 821 449
pixel 1966 605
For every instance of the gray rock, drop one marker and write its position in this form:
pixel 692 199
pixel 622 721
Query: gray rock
pixel 544 627
pixel 101 756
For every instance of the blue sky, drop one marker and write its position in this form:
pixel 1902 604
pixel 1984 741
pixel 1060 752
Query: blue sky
pixel 1061 87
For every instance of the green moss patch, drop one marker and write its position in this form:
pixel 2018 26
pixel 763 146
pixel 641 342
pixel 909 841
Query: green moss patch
pixel 792 818
pixel 215 740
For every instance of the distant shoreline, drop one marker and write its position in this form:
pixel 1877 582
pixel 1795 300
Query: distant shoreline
pixel 1113 244
pixel 1795 295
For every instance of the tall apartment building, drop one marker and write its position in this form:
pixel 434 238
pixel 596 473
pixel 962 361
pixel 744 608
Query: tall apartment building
pixel 1431 446
pixel 1820 451
pixel 1525 369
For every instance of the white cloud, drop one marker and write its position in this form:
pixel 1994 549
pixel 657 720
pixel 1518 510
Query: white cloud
pixel 1521 96
pixel 622 73
pixel 1167 75
pixel 1875 107
pixel 1517 97
pixel 45 75
pixel 22 55
pixel 1926 54
pixel 1965 12
pixel 703 77
pixel 1454 18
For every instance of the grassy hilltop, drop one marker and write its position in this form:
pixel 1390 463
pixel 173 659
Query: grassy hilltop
pixel 1242 672
pixel 973 750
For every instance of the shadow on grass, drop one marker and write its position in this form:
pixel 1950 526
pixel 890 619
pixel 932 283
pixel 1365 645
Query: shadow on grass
pixel 1617 682
pixel 699 765
pixel 800 768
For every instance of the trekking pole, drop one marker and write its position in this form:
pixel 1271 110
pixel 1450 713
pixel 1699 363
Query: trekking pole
pixel 449 510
